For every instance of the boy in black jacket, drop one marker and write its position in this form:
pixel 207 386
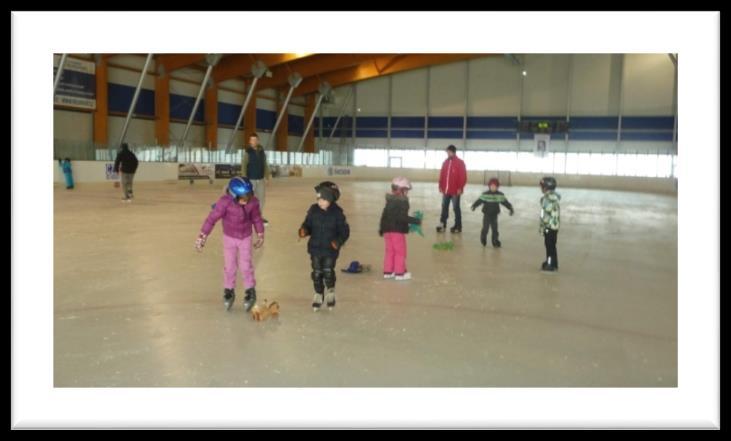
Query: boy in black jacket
pixel 491 201
pixel 328 230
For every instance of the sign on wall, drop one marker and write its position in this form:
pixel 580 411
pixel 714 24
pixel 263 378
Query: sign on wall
pixel 227 171
pixel 338 171
pixel 77 87
pixel 542 144
pixel 196 171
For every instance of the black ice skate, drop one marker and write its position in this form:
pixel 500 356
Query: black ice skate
pixel 441 228
pixel 483 242
pixel 547 266
pixel 228 298
pixel 249 299
pixel 455 229
pixel 496 244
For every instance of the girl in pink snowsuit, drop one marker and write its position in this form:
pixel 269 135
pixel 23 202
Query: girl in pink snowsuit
pixel 395 222
pixel 239 211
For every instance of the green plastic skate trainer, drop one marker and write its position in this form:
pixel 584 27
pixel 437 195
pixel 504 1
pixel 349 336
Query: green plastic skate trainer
pixel 444 246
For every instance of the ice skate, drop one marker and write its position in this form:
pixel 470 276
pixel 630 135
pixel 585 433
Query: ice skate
pixel 249 299
pixel 228 298
pixel 317 302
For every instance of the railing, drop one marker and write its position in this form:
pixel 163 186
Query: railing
pixel 663 165
pixel 154 153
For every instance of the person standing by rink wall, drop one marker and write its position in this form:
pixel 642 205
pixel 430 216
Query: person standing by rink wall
pixel 67 174
pixel 255 167
pixel 126 165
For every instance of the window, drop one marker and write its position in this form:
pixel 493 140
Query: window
pixel 559 163
pixel 435 159
pixel 370 158
pixel 477 161
pixel 665 165
pixel 409 158
pixel 603 164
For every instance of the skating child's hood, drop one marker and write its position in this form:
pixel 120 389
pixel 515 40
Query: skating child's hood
pixel 334 207
pixel 390 197
pixel 228 199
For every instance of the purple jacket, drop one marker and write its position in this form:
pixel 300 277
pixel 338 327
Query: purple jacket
pixel 237 219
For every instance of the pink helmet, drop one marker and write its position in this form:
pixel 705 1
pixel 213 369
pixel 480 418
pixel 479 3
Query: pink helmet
pixel 401 182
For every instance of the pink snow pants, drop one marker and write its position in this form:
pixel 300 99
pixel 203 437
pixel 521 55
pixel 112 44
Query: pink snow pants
pixel 395 259
pixel 237 251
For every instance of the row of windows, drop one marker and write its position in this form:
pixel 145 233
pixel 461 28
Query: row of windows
pixel 609 164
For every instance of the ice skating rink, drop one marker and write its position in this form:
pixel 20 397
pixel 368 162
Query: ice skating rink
pixel 136 306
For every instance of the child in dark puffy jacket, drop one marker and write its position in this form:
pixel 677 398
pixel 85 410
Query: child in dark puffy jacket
pixel 394 227
pixel 491 201
pixel 328 229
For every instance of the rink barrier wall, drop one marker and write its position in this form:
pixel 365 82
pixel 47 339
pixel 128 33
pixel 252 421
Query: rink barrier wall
pixel 622 183
pixel 95 171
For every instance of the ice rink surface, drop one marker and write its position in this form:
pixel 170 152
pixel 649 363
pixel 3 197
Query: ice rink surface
pixel 136 306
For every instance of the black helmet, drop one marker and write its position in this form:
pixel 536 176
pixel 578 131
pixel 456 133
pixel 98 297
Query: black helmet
pixel 326 193
pixel 548 183
pixel 332 186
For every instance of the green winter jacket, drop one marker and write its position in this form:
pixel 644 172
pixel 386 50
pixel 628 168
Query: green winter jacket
pixel 550 211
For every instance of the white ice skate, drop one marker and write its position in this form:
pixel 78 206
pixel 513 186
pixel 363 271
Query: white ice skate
pixel 405 276
pixel 316 302
pixel 330 299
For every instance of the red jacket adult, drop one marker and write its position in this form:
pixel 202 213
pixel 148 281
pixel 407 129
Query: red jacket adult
pixel 453 176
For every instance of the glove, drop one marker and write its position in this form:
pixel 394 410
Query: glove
pixel 416 226
pixel 511 212
pixel 474 207
pixel 380 233
pixel 259 242
pixel 416 218
pixel 200 242
pixel 302 232
pixel 334 245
